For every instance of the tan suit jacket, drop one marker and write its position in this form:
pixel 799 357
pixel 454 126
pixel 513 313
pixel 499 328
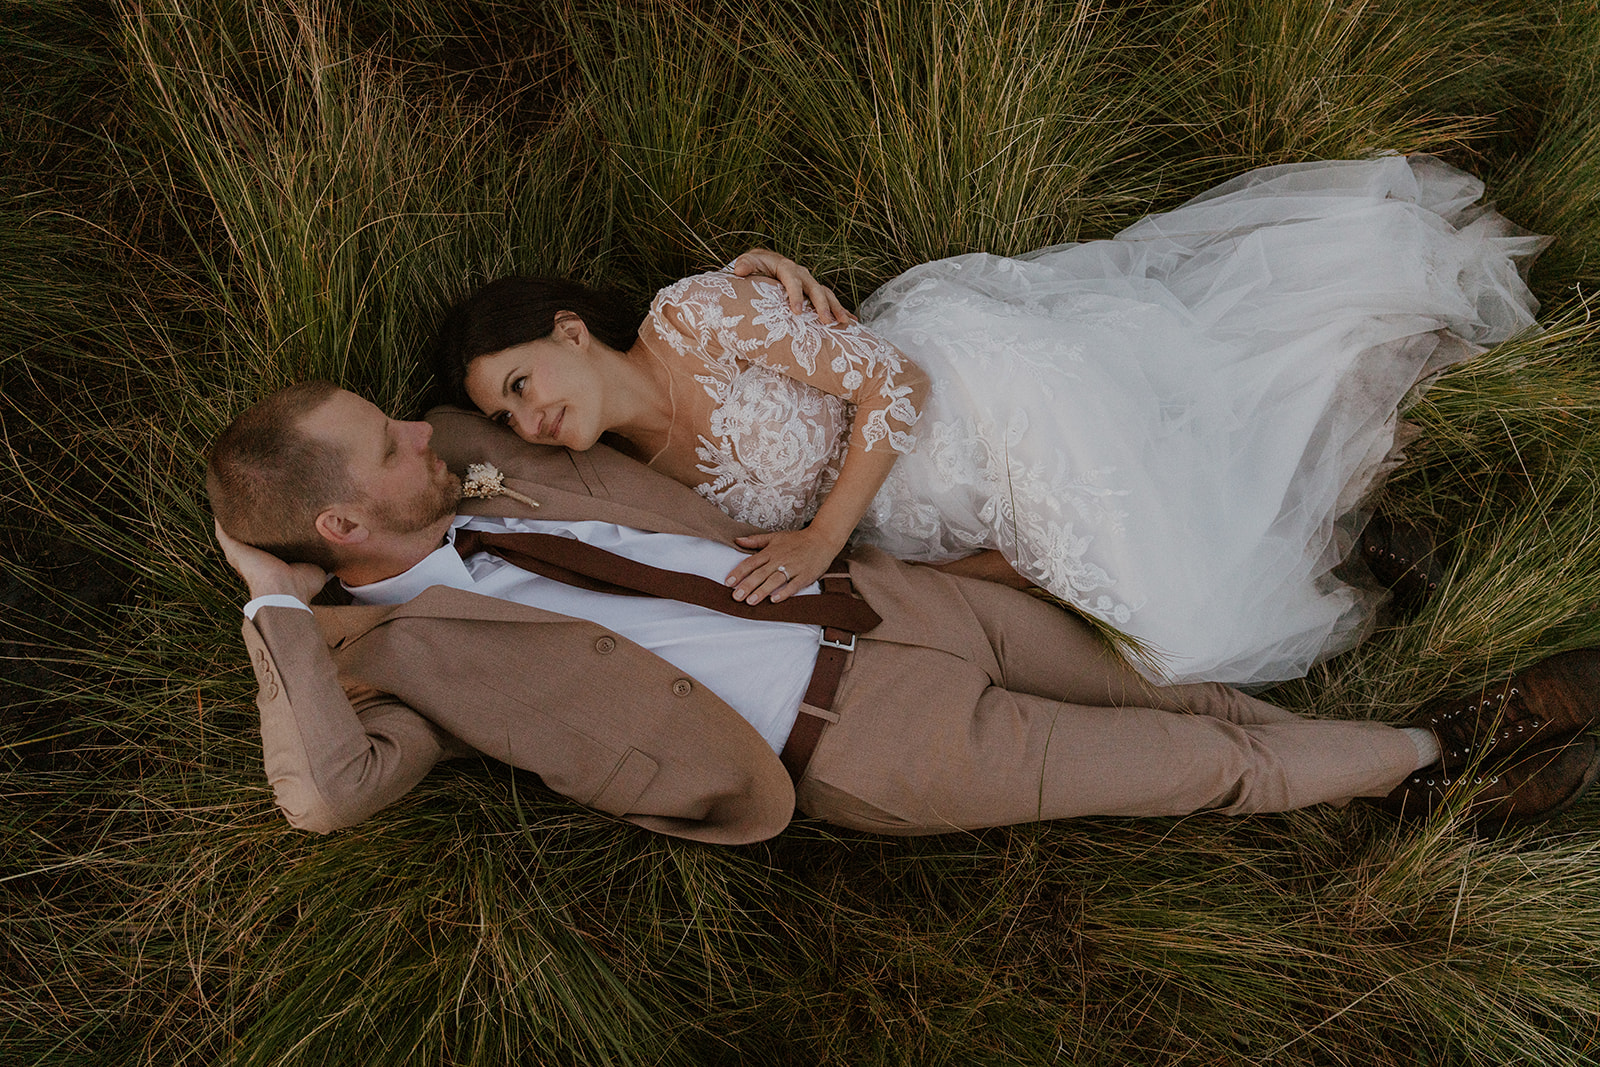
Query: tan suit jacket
pixel 359 705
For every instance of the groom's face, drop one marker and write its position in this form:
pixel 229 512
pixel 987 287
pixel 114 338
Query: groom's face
pixel 401 483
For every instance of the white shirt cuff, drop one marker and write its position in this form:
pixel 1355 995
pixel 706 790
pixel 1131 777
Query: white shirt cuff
pixel 273 600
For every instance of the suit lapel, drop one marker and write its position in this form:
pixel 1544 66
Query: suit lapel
pixel 341 625
pixel 562 505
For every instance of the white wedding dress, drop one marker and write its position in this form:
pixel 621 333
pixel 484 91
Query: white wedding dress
pixel 1172 429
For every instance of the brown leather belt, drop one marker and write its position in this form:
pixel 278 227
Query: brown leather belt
pixel 837 644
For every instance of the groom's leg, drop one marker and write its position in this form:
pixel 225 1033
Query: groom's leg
pixel 1049 652
pixel 926 743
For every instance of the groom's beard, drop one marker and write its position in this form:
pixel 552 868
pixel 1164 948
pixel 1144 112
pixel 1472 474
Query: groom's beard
pixel 422 510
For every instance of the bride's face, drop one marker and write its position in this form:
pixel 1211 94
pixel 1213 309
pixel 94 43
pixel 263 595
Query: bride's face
pixel 546 391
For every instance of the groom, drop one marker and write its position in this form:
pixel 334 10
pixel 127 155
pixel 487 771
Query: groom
pixel 932 703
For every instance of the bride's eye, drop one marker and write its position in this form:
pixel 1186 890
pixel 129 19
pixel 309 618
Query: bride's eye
pixel 501 418
pixel 517 383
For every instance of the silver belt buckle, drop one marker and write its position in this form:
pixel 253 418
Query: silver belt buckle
pixel 851 647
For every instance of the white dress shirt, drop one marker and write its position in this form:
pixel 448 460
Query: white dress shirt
pixel 760 669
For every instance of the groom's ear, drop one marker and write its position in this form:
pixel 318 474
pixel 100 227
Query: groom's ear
pixel 340 529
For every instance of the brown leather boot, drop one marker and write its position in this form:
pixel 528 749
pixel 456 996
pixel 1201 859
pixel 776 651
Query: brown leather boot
pixel 1405 559
pixel 1538 784
pixel 1552 699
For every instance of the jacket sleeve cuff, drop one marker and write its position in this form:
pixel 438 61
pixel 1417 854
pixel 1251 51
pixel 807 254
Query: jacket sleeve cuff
pixel 273 600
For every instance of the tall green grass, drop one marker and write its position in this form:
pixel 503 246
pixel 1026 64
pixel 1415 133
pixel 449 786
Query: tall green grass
pixel 1555 182
pixel 207 199
pixel 1305 79
pixel 932 129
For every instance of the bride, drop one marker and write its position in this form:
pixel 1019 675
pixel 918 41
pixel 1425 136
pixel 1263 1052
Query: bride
pixel 1173 430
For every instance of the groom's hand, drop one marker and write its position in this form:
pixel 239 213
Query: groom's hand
pixel 264 573
pixel 797 282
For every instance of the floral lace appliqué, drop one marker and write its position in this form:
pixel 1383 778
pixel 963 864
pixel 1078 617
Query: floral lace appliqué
pixel 777 443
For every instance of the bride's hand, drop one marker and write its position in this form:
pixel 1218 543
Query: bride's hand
pixel 797 283
pixel 784 562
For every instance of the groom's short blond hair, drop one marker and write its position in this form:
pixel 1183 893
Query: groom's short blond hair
pixel 268 479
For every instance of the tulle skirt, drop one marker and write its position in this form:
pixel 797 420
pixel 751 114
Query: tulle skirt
pixel 1175 429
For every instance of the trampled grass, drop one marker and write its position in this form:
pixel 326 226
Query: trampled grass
pixel 204 200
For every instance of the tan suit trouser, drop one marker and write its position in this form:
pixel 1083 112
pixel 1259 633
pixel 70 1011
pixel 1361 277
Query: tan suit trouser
pixel 1036 720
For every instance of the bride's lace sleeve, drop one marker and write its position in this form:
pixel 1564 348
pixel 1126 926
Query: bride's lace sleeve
pixel 722 317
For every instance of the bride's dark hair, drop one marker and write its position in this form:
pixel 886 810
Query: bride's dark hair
pixel 514 311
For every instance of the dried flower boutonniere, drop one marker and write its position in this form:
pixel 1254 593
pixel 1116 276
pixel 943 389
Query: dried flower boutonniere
pixel 484 480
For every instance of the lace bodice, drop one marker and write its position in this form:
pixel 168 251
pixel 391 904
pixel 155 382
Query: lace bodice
pixel 788 395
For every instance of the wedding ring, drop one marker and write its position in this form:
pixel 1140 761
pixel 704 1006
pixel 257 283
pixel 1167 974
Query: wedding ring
pixel 785 571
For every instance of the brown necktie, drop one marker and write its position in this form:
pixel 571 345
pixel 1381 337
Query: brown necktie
pixel 576 563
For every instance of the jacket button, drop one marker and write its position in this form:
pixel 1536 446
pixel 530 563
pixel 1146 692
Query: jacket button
pixel 605 645
pixel 682 687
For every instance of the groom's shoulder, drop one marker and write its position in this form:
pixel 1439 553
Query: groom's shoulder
pixel 462 437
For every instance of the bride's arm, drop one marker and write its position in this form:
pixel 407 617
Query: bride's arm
pixel 724 315
pixel 786 561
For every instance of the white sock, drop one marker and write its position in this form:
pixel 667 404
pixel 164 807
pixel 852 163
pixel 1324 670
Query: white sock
pixel 1427 745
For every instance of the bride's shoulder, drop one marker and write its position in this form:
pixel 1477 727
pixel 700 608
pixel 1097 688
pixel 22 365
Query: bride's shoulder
pixel 709 306
pixel 713 288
